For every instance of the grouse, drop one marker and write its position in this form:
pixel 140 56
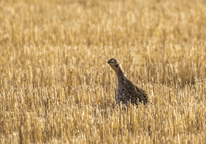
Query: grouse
pixel 127 90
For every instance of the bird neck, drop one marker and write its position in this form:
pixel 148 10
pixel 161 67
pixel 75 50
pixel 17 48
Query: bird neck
pixel 121 76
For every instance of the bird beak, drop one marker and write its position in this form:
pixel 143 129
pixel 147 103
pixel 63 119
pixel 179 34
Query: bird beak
pixel 109 62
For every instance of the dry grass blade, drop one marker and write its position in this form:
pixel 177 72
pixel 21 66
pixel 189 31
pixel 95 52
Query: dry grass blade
pixel 56 86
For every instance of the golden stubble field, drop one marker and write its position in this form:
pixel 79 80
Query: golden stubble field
pixel 56 85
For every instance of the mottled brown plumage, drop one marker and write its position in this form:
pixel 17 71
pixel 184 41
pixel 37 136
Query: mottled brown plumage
pixel 127 91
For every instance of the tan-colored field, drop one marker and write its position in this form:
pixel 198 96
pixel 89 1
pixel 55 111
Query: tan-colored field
pixel 56 85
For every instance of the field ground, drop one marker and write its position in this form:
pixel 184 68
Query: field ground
pixel 56 85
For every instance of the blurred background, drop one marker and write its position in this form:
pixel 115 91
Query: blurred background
pixel 56 85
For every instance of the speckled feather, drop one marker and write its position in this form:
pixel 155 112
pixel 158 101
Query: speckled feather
pixel 127 91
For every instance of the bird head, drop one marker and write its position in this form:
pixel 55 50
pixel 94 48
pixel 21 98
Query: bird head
pixel 114 64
